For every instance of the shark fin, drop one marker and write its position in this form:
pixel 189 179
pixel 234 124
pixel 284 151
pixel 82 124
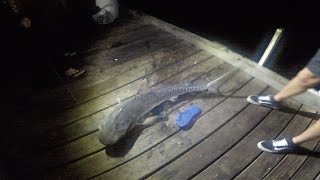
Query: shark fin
pixel 151 120
pixel 143 86
pixel 148 121
pixel 213 86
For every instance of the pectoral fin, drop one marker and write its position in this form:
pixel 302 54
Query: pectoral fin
pixel 148 121
pixel 151 120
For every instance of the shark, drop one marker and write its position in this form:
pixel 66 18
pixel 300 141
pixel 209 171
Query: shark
pixel 132 113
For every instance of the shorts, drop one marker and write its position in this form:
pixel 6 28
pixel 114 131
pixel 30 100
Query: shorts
pixel 314 64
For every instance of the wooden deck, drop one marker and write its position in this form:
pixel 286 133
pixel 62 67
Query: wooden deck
pixel 54 137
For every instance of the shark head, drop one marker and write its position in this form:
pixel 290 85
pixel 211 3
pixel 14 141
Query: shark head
pixel 108 133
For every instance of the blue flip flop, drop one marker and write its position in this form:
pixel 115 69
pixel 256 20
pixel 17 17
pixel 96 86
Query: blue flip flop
pixel 188 117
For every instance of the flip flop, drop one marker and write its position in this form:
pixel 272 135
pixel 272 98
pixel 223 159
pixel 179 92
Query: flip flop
pixel 75 75
pixel 187 118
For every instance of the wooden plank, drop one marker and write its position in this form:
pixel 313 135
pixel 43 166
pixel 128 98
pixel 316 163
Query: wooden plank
pixel 232 162
pixel 124 40
pixel 128 77
pixel 53 95
pixel 62 98
pixel 292 162
pixel 105 58
pixel 93 125
pixel 66 133
pixel 118 69
pixel 110 99
pixel 121 39
pixel 101 162
pixel 215 145
pixel 89 44
pixel 164 74
pixel 51 101
pixel 102 102
pixel 85 94
pixel 115 29
pixel 182 141
pixel 267 165
pixel 100 64
pixel 88 140
pixel 310 168
pixel 39 121
pixel 121 26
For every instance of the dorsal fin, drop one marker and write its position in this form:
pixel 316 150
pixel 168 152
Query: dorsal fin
pixel 213 86
pixel 222 79
pixel 143 86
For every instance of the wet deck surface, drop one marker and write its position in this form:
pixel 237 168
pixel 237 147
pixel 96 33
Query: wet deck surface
pixel 54 135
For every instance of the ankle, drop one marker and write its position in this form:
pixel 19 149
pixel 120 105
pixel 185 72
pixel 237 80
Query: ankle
pixel 276 98
pixel 294 141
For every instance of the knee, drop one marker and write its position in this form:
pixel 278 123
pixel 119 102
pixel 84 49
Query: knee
pixel 307 79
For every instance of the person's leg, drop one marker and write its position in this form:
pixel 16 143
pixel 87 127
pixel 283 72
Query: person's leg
pixel 287 145
pixel 300 83
pixel 311 133
pixel 305 79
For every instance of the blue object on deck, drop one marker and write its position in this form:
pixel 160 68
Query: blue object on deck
pixel 187 118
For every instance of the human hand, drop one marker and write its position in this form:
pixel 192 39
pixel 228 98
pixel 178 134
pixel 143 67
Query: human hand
pixel 25 22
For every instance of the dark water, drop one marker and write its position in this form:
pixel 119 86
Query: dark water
pixel 246 27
